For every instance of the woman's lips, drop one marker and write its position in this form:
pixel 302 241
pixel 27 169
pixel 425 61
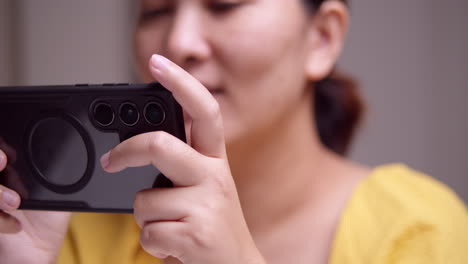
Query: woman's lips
pixel 216 92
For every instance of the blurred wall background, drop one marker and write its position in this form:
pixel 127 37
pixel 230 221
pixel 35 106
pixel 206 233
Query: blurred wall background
pixel 6 41
pixel 65 41
pixel 410 57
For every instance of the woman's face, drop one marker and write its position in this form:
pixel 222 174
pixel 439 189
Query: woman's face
pixel 249 53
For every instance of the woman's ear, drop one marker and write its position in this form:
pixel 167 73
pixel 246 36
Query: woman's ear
pixel 326 35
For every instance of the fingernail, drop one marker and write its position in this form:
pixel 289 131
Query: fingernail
pixel 9 198
pixel 159 63
pixel 105 160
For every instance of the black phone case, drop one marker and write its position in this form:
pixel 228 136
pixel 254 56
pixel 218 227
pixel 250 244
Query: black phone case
pixel 54 137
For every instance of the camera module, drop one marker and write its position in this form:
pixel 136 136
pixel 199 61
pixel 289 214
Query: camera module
pixel 103 114
pixel 154 113
pixel 129 114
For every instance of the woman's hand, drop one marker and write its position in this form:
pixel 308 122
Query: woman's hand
pixel 27 236
pixel 200 220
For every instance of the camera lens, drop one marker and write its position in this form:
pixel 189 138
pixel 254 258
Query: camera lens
pixel 154 113
pixel 103 114
pixel 129 114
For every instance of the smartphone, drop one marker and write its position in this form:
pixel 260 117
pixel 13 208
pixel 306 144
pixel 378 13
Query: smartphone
pixel 54 137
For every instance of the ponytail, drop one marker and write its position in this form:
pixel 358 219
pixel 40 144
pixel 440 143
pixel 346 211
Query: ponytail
pixel 338 111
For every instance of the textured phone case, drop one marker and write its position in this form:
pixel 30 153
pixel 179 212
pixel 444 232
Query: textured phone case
pixel 53 140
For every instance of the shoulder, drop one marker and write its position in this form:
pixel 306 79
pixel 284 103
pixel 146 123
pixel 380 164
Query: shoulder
pixel 398 215
pixel 402 189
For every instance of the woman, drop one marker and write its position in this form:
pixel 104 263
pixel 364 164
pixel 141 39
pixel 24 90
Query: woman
pixel 263 178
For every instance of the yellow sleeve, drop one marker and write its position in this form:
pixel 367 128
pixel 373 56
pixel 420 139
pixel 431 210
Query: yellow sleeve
pixel 103 238
pixel 399 216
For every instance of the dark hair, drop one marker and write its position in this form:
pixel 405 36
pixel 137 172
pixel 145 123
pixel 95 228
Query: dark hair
pixel 338 105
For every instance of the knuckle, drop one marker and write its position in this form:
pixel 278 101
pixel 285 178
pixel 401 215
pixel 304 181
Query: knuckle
pixel 154 238
pixel 221 183
pixel 146 236
pixel 156 140
pixel 201 237
pixel 144 199
pixel 138 202
pixel 213 110
pixel 149 238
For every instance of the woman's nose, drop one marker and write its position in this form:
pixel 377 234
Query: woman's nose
pixel 187 39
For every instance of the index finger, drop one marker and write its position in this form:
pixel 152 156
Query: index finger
pixel 207 132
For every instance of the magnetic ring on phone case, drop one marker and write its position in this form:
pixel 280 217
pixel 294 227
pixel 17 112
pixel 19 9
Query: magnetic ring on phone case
pixel 60 153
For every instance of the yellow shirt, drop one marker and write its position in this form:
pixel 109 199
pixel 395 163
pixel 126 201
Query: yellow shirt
pixel 396 215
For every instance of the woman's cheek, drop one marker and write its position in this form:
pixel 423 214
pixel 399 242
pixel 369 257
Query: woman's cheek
pixel 148 41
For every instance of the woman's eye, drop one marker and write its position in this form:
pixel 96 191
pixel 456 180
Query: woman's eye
pixel 155 13
pixel 224 7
